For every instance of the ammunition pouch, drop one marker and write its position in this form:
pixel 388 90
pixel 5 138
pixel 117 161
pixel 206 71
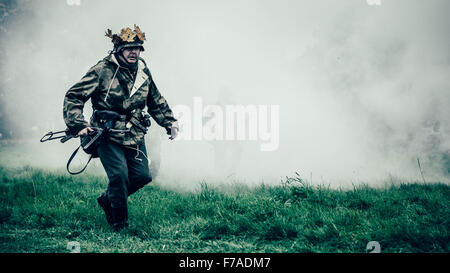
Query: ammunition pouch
pixel 140 119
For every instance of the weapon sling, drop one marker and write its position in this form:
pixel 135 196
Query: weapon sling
pixel 87 148
pixel 89 142
pixel 70 160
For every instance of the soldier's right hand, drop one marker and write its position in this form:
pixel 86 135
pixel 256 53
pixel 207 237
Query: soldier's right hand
pixel 85 131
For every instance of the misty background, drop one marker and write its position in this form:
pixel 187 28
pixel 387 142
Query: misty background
pixel 363 90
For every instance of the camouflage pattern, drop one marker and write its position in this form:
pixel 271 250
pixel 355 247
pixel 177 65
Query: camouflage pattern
pixel 113 87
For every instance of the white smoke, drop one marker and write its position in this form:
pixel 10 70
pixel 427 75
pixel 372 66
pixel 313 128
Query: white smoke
pixel 363 90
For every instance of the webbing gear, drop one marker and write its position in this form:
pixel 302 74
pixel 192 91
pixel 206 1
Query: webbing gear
pixel 140 119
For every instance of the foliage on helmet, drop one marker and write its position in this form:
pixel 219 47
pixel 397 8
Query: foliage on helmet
pixel 126 35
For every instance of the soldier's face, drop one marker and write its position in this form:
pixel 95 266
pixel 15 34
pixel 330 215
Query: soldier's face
pixel 131 54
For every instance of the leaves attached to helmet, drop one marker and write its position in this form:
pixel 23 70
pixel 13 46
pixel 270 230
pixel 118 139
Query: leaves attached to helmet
pixel 127 38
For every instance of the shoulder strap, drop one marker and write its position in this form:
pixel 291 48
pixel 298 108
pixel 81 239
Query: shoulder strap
pixel 70 160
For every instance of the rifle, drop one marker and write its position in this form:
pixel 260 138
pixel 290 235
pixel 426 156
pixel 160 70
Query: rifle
pixel 90 142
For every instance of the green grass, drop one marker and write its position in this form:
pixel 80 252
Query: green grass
pixel 41 211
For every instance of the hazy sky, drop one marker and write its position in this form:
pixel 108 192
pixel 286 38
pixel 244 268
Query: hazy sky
pixel 363 90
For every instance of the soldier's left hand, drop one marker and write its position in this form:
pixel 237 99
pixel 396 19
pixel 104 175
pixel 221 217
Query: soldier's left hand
pixel 174 131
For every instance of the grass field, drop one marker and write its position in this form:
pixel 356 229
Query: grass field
pixel 41 211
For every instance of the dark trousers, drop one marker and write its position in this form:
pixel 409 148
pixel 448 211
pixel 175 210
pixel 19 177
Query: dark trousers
pixel 127 170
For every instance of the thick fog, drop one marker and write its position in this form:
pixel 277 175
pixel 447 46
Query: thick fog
pixel 362 90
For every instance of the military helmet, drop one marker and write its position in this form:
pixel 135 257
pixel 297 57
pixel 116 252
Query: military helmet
pixel 127 38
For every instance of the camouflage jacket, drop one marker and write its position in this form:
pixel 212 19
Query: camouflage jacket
pixel 113 87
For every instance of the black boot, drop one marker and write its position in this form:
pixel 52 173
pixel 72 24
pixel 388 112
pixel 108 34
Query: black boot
pixel 104 203
pixel 119 218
